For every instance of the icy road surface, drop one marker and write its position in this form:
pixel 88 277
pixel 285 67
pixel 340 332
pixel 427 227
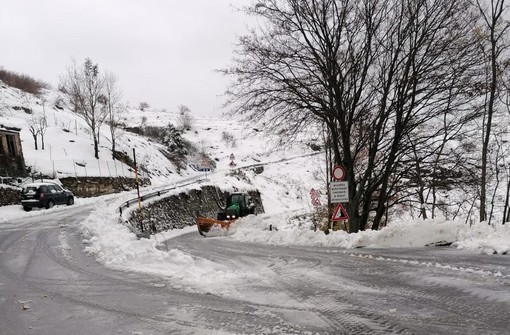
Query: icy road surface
pixel 48 285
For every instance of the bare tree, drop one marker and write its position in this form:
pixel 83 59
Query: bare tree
pixel 505 100
pixel 494 39
pixel 229 139
pixel 113 107
pixel 371 71
pixel 143 106
pixel 42 125
pixel 184 119
pixel 83 87
pixel 34 129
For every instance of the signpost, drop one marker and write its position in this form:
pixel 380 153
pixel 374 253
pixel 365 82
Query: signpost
pixel 232 158
pixel 339 192
pixel 340 213
pixel 314 195
pixel 205 166
pixel 338 173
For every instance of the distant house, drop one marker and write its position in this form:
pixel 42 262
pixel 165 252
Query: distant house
pixel 12 162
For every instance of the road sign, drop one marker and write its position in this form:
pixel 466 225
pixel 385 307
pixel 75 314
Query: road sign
pixel 232 157
pixel 315 198
pixel 339 191
pixel 338 173
pixel 340 213
pixel 205 165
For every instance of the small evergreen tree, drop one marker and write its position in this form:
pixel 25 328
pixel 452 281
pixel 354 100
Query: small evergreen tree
pixel 172 139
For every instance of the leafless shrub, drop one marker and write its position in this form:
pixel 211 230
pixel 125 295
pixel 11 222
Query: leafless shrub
pixel 185 119
pixel 23 82
pixel 229 139
pixel 143 106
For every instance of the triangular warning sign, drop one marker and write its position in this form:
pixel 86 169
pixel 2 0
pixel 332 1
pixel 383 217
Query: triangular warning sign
pixel 340 213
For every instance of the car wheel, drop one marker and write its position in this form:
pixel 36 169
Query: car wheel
pixel 70 201
pixel 27 209
pixel 50 204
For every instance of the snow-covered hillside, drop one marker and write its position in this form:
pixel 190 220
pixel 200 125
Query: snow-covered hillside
pixel 68 147
pixel 290 172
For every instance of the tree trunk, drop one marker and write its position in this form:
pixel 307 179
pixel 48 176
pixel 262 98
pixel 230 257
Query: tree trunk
pixel 96 147
pixel 383 193
pixel 497 10
pixel 113 147
pixel 35 141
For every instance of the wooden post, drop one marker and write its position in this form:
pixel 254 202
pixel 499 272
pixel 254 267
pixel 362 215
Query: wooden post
pixel 138 192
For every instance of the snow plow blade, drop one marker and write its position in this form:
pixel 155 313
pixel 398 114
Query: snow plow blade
pixel 211 227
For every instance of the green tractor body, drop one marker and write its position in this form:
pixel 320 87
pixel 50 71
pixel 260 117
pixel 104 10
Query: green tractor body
pixel 238 205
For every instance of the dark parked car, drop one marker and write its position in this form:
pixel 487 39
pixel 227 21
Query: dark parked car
pixel 44 194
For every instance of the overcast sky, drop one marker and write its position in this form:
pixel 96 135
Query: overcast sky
pixel 164 52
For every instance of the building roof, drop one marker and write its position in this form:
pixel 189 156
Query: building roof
pixel 11 129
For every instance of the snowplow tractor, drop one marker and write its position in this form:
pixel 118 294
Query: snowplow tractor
pixel 237 205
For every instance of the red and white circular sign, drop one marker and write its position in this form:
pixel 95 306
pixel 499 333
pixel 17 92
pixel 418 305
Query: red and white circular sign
pixel 338 173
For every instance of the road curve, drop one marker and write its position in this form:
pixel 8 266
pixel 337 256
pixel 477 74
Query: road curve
pixel 369 291
pixel 48 285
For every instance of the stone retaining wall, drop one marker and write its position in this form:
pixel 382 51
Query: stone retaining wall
pixel 9 196
pixel 181 210
pixel 85 187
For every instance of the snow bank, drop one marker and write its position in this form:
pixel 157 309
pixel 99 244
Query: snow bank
pixel 114 245
pixel 481 237
pixel 493 239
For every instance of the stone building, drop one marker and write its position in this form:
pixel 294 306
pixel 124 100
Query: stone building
pixel 12 162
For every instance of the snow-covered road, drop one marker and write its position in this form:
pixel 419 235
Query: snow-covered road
pixel 49 285
pixel 336 291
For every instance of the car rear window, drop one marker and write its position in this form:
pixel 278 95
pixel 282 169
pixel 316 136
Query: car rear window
pixel 30 189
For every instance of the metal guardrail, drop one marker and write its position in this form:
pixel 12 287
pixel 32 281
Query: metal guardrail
pixel 246 167
pixel 155 194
